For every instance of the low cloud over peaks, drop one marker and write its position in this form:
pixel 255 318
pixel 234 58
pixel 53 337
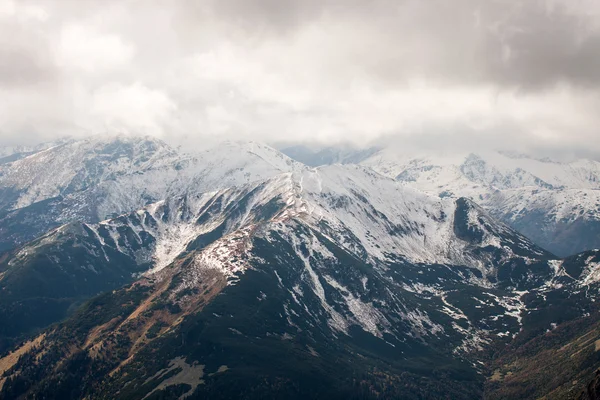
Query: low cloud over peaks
pixel 310 71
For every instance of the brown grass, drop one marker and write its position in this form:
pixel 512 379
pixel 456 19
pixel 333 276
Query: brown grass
pixel 95 333
pixel 10 360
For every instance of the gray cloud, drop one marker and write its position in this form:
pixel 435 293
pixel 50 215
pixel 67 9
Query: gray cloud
pixel 529 44
pixel 430 72
pixel 544 43
pixel 25 57
pixel 24 66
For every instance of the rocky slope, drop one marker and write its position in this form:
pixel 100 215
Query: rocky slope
pixel 9 154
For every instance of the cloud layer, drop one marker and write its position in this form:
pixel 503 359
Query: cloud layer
pixel 478 72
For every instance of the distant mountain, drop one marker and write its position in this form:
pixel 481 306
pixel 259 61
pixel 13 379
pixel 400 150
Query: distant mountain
pixel 555 204
pixel 337 277
pixel 105 176
pixel 78 166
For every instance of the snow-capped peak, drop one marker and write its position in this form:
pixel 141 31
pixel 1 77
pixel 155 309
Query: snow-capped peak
pixel 372 217
pixel 498 170
pixel 77 165
pixel 538 197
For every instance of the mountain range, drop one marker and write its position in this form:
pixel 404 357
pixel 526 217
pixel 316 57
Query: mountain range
pixel 132 270
pixel 102 177
pixel 556 204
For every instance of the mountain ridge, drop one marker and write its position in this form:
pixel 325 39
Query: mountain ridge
pixel 256 275
pixel 124 174
pixel 540 198
pixel 285 237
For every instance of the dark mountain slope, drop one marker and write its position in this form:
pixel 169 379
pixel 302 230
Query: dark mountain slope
pixel 557 352
pixel 265 343
pixel 42 281
pixel 592 391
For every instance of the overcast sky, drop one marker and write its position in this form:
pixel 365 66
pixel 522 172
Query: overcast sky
pixel 432 73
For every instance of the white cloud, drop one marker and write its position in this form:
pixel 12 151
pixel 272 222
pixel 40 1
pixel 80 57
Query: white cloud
pixel 91 51
pixel 22 12
pixel 325 70
pixel 134 108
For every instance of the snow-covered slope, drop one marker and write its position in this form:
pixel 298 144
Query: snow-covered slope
pixel 555 204
pixel 230 164
pixel 374 218
pixel 77 166
pixel 101 177
pixel 13 153
pixel 129 167
pixel 500 170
